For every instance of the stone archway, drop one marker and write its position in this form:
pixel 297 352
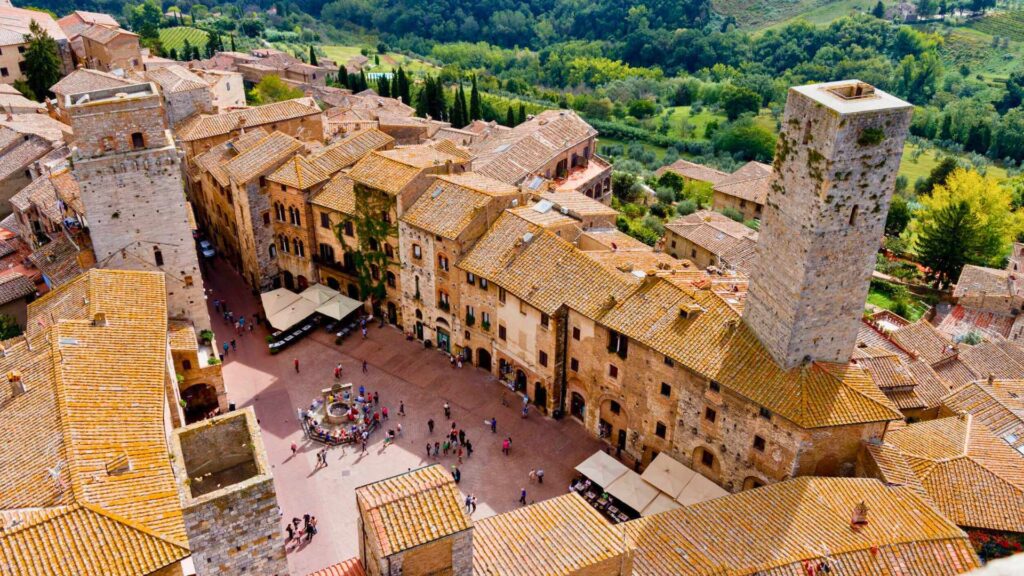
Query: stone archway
pixel 752 482
pixel 289 280
pixel 333 283
pixel 392 313
pixel 540 396
pixel 303 282
pixel 483 359
pixel 578 406
pixel 520 381
pixel 200 401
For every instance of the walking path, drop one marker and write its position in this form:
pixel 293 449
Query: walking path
pixel 400 371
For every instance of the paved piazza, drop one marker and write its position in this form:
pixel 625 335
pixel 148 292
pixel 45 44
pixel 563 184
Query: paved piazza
pixel 400 371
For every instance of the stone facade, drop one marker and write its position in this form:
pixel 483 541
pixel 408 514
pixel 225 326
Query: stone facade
pixel 234 529
pixel 183 103
pixel 835 171
pixel 293 227
pixel 120 52
pixel 129 174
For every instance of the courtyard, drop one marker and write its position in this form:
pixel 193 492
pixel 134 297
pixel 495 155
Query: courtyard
pixel 400 371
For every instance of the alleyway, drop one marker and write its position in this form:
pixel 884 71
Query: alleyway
pixel 400 371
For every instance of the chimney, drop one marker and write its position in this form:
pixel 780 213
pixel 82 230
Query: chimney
pixel 100 319
pixel 449 167
pixel 241 124
pixel 991 378
pixel 17 386
pixel 860 516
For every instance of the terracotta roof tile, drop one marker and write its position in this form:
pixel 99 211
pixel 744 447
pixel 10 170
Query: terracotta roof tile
pixel 893 467
pixel 922 339
pixel 412 509
pixel 512 155
pixel 87 80
pixel 784 528
pixel 580 205
pixel 392 170
pixel 181 335
pixel 176 78
pixel 338 195
pixel 693 171
pixel 206 126
pixel 261 158
pixel 999 405
pixel 561 536
pixel 351 149
pixel 448 207
pixel 104 34
pixel 715 232
pixel 299 172
pixel 15 285
pixel 350 567
pixel 58 260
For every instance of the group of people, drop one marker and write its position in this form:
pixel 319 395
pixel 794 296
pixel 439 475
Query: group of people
pixel 306 533
pixel 239 325
pixel 455 441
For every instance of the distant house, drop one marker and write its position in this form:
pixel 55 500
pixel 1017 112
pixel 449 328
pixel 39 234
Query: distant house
pixel 745 190
pixel 14 25
pixel 111 49
pixel 692 172
pixel 711 239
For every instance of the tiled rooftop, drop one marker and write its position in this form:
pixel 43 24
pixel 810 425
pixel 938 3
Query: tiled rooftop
pixel 207 126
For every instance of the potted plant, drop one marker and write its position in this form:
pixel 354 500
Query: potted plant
pixel 206 336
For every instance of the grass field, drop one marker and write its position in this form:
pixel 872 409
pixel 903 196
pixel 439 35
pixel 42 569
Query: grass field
pixel 685 124
pixel 826 12
pixel 1007 24
pixel 175 37
pixel 761 14
pixel 388 61
pixel 973 48
pixel 877 298
pixel 922 166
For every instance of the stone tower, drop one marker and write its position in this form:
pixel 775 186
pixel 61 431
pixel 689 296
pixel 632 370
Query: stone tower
pixel 129 173
pixel 227 496
pixel 835 170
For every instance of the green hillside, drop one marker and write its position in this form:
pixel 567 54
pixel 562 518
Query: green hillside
pixel 175 37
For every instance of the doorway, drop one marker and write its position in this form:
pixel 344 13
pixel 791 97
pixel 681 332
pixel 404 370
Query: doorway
pixel 483 359
pixel 443 340
pixel 577 406
pixel 520 381
pixel 540 396
pixel 392 313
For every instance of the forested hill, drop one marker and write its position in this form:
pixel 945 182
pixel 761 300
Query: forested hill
pixel 511 23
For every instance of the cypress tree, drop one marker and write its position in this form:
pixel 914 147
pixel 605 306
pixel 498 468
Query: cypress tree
pixel 312 56
pixel 423 97
pixel 363 85
pixel 522 112
pixel 474 102
pixel 384 86
pixel 458 114
pixel 879 11
pixel 403 86
pixel 394 84
pixel 174 54
pixel 342 79
pixel 232 42
pixel 510 117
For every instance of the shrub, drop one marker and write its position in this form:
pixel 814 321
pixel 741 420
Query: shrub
pixel 732 213
pixel 686 207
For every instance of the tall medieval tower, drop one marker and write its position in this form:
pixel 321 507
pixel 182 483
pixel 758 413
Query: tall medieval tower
pixel 835 170
pixel 129 173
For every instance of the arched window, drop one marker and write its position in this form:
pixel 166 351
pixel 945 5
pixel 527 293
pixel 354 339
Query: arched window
pixel 389 251
pixel 442 262
pixel 300 248
pixel 158 256
pixel 186 364
pixel 273 251
pixel 284 245
pixel 298 217
pixel 278 211
pixel 391 279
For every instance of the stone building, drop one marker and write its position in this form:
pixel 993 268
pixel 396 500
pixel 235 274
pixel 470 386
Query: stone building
pixel 29 144
pixel 227 89
pixel 79 21
pixel 199 379
pixel 414 523
pixel 129 174
pixel 300 118
pixel 709 238
pixel 80 81
pixel 692 172
pixel 228 503
pixel 386 184
pixel 836 163
pixel 745 190
pixel 183 92
pixel 111 49
pixel 14 25
pixel 433 235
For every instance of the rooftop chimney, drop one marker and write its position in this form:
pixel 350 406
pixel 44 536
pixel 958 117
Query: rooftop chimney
pixel 100 319
pixel 17 386
pixel 860 516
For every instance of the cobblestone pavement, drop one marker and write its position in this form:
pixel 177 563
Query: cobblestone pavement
pixel 400 371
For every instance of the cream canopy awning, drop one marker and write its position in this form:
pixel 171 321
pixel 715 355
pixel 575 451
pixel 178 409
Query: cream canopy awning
pixel 277 300
pixel 292 315
pixel 319 294
pixel 700 489
pixel 668 475
pixel 602 469
pixel 631 490
pixel 663 503
pixel 339 307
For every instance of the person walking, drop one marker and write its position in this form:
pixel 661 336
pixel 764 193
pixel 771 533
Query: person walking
pixel 462 436
pixel 437 449
pixel 469 504
pixel 469 449
pixel 225 347
pixel 234 346
pixel 364 332
pixel 522 496
pixel 376 399
pixel 291 531
pixel 337 371
pixel 532 475
pixel 494 425
pixel 446 447
pixel 364 367
pixel 429 453
pixel 399 430
pixel 458 452
pixel 473 504
pixel 447 411
pixel 457 474
pixel 430 425
pixel 401 407
pixel 296 365
pixel 295 448
pixel 384 412
pixel 540 475
pixel 311 529
pixel 505 447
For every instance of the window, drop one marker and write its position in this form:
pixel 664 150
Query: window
pixel 279 211
pixel 613 370
pixel 4 72
pixel 501 294
pixel 158 256
pixel 693 253
pixel 669 361
pixel 186 365
pixel 294 217
pixel 614 407
pixel 715 386
pixel 545 320
pixel 273 251
pixel 710 414
pixel 326 253
pixel 470 278
pixel 574 365
pixel 349 229
pixel 765 413
pixel 388 250
pixel 853 215
pixel 374 245
pixel 417 252
pixel 758 443
pixel 542 357
pixel 375 272
pixel 501 331
pixel 325 220
pixel 660 430
pixel 138 141
pixel 485 319
pixel 483 284
pixel 442 300
pixel 673 243
pixel 189 281
pixel 390 279
pixel 707 458
pixel 266 218
pixel 442 262
pixel 618 343
pixel 21 49
pixel 284 245
pixel 575 333
pixel 666 389
pixel 300 248
pixel 283 188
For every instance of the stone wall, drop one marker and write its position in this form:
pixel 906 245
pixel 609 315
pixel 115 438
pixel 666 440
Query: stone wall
pixel 750 210
pixel 181 105
pixel 835 171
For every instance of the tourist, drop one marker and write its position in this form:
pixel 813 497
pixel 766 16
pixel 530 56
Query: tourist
pixel 447 411
pixel 437 449
pixel 234 346
pixel 384 412
pixel 364 332
pixel 532 475
pixel 337 371
pixel 469 504
pixel 505 447
pixel 430 425
pixel 311 529
pixel 446 447
pixel 457 474
pixel 376 399
pixel 399 430
pixel 296 365
pixel 362 391
pixel 216 305
pixel 401 407
pixel 469 449
pixel 225 347
pixel 494 425
pixel 364 367
pixel 462 436
pixel 295 448
pixel 429 451
pixel 459 453
pixel 522 496
pixel 473 503
pixel 540 475
pixel 291 531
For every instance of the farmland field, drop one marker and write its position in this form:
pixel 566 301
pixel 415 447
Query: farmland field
pixel 175 37
pixel 1009 24
pixel 388 60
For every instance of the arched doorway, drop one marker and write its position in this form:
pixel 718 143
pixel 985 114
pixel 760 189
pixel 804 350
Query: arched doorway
pixel 751 482
pixel 333 284
pixel 483 359
pixel 577 406
pixel 419 324
pixel 520 381
pixel 392 313
pixel 353 291
pixel 540 396
pixel 613 423
pixel 200 400
pixel 706 463
pixel 444 338
pixel 303 283
pixel 289 280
